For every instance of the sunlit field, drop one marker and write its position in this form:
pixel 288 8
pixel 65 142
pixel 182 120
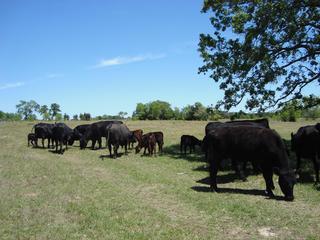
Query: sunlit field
pixel 84 194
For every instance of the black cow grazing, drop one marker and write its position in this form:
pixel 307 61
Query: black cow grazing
pixel 159 139
pixel 262 145
pixel 148 141
pixel 95 132
pixel 43 131
pixel 306 144
pixel 117 135
pixel 79 131
pixel 62 134
pixel 136 137
pixel 255 122
pixel 189 141
pixel 31 139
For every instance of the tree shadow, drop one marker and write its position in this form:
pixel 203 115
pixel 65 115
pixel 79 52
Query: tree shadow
pixel 253 192
pixel 173 151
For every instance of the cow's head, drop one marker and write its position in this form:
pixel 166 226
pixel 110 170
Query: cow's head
pixel 83 142
pixel 138 148
pixel 71 139
pixel 287 181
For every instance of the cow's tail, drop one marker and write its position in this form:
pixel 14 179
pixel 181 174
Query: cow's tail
pixel 108 135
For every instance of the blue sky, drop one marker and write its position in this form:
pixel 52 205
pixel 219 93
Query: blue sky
pixel 102 56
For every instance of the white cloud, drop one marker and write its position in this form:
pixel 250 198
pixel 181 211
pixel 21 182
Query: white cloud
pixel 54 75
pixel 11 85
pixel 125 60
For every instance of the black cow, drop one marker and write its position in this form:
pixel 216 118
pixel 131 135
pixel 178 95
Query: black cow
pixel 189 141
pixel 95 132
pixel 78 132
pixel 43 131
pixel 159 139
pixel 31 139
pixel 62 134
pixel 262 145
pixel 148 141
pixel 306 144
pixel 255 122
pixel 117 135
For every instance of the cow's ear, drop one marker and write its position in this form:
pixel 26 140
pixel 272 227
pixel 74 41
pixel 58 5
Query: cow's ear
pixel 276 171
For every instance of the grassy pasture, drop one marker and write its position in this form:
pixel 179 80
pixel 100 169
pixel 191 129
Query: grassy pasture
pixel 86 195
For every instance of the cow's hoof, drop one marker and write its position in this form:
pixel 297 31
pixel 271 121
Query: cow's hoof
pixel 269 194
pixel 288 198
pixel 214 189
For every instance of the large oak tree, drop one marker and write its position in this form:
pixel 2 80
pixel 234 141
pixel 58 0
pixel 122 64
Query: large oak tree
pixel 262 52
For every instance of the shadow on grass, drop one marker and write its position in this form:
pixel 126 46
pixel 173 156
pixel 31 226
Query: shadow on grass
pixel 253 192
pixel 221 179
pixel 57 152
pixel 103 156
pixel 173 151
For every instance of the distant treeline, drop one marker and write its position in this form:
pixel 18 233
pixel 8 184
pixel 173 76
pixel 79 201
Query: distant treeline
pixel 161 110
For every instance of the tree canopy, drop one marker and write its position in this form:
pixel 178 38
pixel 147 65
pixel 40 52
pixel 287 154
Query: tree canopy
pixel 262 52
pixel 27 109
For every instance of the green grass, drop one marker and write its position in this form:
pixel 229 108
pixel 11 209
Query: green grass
pixel 84 195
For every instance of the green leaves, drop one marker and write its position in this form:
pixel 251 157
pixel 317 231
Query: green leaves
pixel 273 56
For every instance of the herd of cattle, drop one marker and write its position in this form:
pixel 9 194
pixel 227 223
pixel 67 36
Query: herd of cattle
pixel 116 134
pixel 239 141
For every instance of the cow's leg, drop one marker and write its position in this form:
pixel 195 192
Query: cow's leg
pixel 126 149
pixel 115 150
pixel 316 167
pixel 61 145
pixel 213 161
pixel 150 150
pixel 36 142
pixel 93 143
pixel 100 142
pixel 66 145
pixel 110 148
pixel 145 149
pixel 181 148
pixel 239 170
pixel 42 142
pixel 190 149
pixel 267 175
pixel 56 141
pixel 298 163
pixel 213 176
